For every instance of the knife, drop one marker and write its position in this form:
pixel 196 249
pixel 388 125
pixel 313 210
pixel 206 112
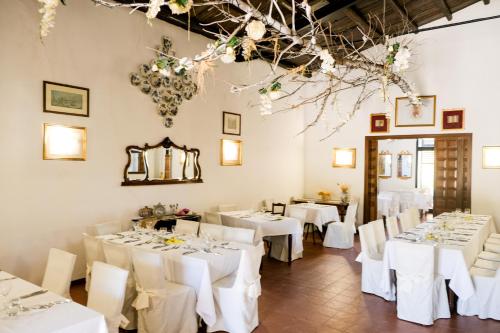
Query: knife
pixel 39 292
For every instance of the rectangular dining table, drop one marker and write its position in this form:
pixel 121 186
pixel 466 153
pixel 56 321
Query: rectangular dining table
pixel 197 270
pixel 266 224
pixel 67 317
pixel 456 252
pixel 316 214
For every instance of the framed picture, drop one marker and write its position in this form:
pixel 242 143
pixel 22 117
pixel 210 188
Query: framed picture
pixel 409 115
pixel 231 123
pixel 230 152
pixel 453 119
pixel 491 157
pixel 344 158
pixel 379 123
pixel 64 142
pixel 65 99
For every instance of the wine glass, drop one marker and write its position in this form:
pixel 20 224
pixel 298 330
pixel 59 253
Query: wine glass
pixel 173 229
pixel 467 211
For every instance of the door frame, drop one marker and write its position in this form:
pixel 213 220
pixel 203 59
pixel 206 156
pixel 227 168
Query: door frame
pixel 375 138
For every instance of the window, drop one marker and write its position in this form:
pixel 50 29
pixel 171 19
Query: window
pixel 425 164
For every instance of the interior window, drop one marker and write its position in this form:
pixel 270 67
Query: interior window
pixel 425 164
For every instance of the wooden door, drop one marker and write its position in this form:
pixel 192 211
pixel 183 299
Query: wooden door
pixel 371 164
pixel 452 175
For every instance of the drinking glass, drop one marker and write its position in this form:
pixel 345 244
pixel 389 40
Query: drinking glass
pixel 173 229
pixel 467 211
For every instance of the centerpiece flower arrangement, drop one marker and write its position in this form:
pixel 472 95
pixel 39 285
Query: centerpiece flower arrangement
pixel 325 195
pixel 344 189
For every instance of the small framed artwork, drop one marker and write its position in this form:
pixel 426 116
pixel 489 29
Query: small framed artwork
pixel 231 123
pixel 379 123
pixel 230 152
pixel 453 119
pixel 344 158
pixel 409 115
pixel 491 157
pixel 65 99
pixel 64 142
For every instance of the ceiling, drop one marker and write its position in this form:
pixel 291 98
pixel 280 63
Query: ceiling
pixel 342 16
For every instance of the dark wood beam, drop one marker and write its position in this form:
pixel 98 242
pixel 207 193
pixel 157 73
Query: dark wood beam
pixel 486 2
pixel 332 7
pixel 445 9
pixel 404 14
pixel 360 21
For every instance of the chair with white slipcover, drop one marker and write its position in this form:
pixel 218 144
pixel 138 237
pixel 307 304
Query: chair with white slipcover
pixel 421 293
pixel 236 296
pixel 107 293
pixel 406 221
pixel 491 247
pixel 186 227
pixel 493 240
pixel 494 235
pixel 162 306
pixel 93 252
pixel 119 255
pixel 392 227
pixel 239 235
pixel 372 264
pixel 212 231
pixel 340 235
pixel 415 216
pixel 212 218
pixel 485 302
pixel 379 232
pixel 58 272
pixel 489 256
pixel 106 228
pixel 227 208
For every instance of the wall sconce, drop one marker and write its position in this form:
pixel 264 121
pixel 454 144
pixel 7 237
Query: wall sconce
pixel 344 158
pixel 64 142
pixel 230 152
pixel 491 157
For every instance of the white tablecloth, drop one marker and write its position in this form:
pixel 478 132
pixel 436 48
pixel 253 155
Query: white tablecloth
pixel 198 270
pixel 391 203
pixel 61 318
pixel 266 224
pixel 454 257
pixel 316 214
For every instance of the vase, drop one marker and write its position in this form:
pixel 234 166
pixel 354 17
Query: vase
pixel 344 198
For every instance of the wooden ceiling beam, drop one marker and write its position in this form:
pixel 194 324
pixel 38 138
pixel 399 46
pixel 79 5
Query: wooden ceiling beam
pixel 445 9
pixel 360 21
pixel 486 2
pixel 404 14
pixel 332 7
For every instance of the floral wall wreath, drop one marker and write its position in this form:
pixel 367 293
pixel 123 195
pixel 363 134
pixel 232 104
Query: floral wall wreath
pixel 167 80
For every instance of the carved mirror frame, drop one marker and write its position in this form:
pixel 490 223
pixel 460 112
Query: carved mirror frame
pixel 166 143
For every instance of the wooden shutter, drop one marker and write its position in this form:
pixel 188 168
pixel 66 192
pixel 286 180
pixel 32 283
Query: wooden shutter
pixel 371 163
pixel 452 177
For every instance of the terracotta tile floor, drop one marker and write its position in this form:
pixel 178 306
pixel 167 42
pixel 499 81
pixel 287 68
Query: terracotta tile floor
pixel 321 293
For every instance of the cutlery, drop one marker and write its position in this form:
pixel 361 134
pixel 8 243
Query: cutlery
pixel 36 293
pixel 159 246
pixel 172 248
pixel 143 243
pixel 189 252
pixel 7 279
pixel 131 241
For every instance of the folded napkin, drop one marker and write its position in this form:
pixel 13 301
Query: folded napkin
pixel 174 240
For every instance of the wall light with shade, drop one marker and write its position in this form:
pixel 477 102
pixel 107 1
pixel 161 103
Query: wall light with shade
pixel 344 158
pixel 230 153
pixel 64 142
pixel 491 157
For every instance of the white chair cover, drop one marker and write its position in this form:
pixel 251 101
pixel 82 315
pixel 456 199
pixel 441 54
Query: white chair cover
pixel 107 292
pixel 239 235
pixel 415 216
pixel 163 307
pixel 236 296
pixel 106 228
pixel 372 265
pixel 58 272
pixel 487 264
pixel 213 231
pixel 392 227
pixel 495 236
pixel 379 232
pixel 341 235
pixel 485 303
pixel 93 252
pixel 120 256
pixel 421 295
pixel 227 208
pixel 489 256
pixel 186 227
pixel 490 247
pixel 493 240
pixel 406 221
pixel 213 218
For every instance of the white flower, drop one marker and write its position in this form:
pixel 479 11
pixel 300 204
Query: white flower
pixel 178 8
pixel 184 63
pixel 154 68
pixel 255 29
pixel 229 56
pixel 49 14
pixel 274 94
pixel 266 105
pixel 154 8
pixel 327 63
pixel 165 72
pixel 390 49
pixel 401 60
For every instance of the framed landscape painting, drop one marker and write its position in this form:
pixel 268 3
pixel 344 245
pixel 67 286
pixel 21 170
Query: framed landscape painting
pixel 231 123
pixel 65 99
pixel 453 119
pixel 409 115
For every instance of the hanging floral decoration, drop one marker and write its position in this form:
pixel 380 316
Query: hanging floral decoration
pixel 48 12
pixel 167 80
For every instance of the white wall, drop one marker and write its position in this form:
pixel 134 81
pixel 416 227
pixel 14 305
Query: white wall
pixel 394 147
pixel 48 203
pixel 459 65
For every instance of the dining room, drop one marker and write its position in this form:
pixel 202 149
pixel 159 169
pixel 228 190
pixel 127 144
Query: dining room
pixel 249 166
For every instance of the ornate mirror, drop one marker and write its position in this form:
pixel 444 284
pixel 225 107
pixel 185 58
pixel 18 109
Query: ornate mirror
pixel 385 164
pixel 404 165
pixel 164 163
